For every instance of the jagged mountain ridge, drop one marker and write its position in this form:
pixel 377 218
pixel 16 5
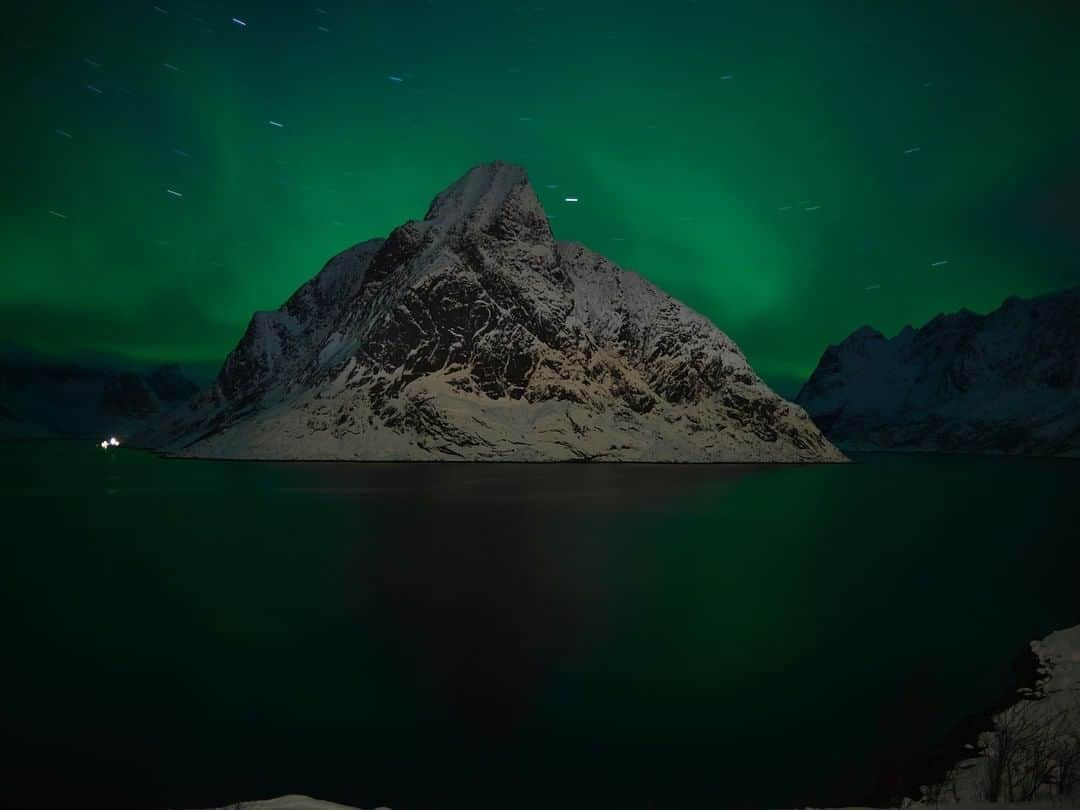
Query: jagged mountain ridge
pixel 1005 382
pixel 472 334
pixel 42 396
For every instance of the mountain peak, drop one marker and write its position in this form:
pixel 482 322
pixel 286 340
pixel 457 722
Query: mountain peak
pixel 862 335
pixel 482 193
pixel 473 335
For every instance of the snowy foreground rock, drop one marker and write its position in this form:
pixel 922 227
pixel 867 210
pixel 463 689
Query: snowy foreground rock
pixel 1030 758
pixel 291 802
pixel 1032 752
pixel 1006 382
pixel 307 803
pixel 473 335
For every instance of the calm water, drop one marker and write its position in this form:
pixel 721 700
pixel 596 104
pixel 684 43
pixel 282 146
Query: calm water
pixel 192 633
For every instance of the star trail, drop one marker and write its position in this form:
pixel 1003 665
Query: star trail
pixel 767 165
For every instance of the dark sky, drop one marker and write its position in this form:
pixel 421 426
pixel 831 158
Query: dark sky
pixel 791 170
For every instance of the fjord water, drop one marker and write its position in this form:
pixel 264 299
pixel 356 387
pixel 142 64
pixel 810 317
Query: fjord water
pixel 191 633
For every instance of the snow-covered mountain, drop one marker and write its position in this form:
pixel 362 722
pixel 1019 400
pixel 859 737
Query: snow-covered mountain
pixel 1006 382
pixel 41 396
pixel 473 335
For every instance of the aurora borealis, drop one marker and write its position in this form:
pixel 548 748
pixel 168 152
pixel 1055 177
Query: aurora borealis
pixel 791 170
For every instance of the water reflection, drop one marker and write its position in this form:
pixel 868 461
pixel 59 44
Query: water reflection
pixel 488 635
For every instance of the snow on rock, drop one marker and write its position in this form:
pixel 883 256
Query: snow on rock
pixel 1059 654
pixel 1048 804
pixel 290 802
pixel 474 335
pixel 1006 382
pixel 1032 752
pixel 1031 741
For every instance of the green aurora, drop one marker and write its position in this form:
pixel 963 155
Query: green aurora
pixel 915 132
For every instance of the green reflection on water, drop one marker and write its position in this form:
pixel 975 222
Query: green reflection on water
pixel 198 632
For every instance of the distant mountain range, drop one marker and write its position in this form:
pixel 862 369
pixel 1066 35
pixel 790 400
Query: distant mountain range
pixel 43 397
pixel 474 335
pixel 1006 382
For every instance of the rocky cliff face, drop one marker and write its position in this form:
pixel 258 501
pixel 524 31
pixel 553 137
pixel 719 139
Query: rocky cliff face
pixel 473 335
pixel 1007 382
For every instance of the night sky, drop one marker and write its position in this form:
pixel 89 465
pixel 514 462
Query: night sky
pixel 791 170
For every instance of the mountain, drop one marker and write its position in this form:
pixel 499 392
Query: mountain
pixel 41 396
pixel 473 335
pixel 1006 382
pixel 15 427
